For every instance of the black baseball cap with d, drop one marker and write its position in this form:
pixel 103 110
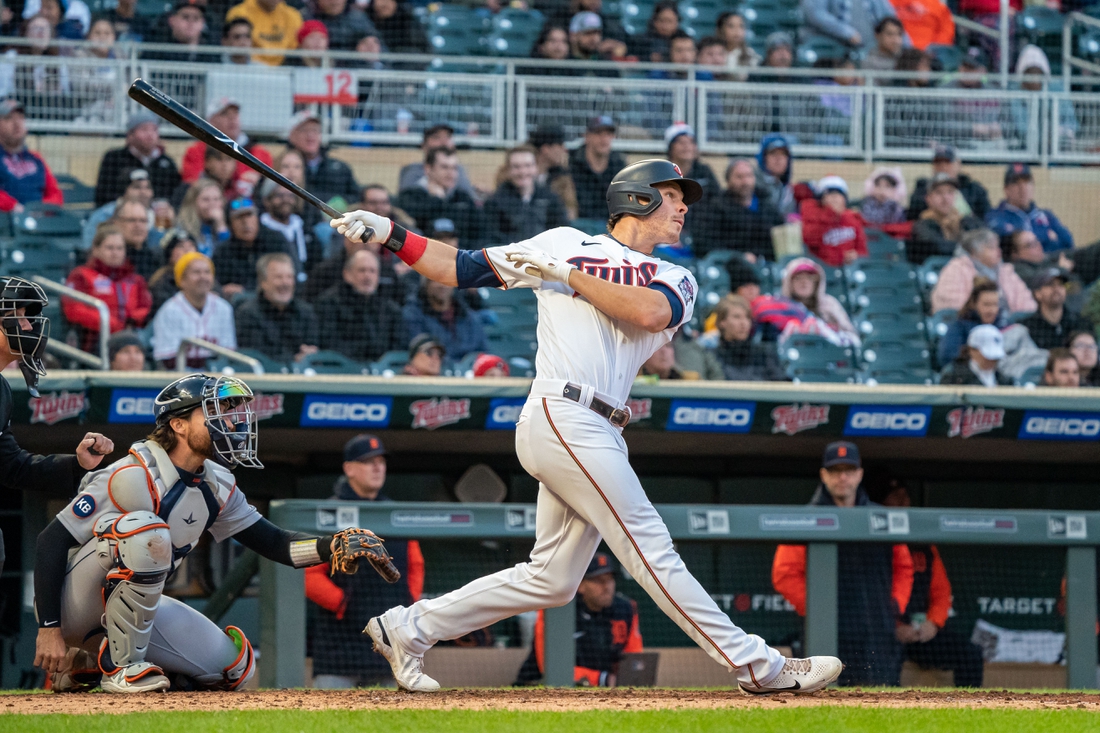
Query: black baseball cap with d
pixel 841 453
pixel 599 565
pixel 363 447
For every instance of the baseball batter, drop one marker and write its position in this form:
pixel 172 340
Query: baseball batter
pixel 605 305
pixel 101 565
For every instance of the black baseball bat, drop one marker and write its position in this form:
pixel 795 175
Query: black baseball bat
pixel 164 106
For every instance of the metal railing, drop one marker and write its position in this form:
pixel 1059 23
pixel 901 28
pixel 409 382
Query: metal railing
pixel 104 361
pixel 181 357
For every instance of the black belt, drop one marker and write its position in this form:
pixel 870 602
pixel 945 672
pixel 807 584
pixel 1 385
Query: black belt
pixel 618 417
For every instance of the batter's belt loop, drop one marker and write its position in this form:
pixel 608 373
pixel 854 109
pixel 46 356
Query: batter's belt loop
pixel 617 416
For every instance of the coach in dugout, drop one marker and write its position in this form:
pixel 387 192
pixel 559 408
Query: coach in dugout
pixel 342 655
pixel 607 628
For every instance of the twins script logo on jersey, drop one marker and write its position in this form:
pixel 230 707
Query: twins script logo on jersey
pixel 54 407
pixel 435 413
pixel 968 421
pixel 640 409
pixel 791 419
pixel 268 405
pixel 628 274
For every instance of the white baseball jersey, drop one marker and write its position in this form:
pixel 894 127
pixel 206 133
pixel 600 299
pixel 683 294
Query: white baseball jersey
pixel 578 342
pixel 146 480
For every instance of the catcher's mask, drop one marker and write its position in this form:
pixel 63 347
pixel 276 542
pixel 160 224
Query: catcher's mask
pixel 226 404
pixel 27 330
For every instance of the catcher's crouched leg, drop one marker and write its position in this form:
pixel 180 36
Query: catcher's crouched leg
pixel 139 548
pixel 197 655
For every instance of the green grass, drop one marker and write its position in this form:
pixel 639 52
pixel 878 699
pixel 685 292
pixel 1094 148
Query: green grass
pixel 794 720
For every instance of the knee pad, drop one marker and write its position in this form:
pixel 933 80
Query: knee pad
pixel 139 546
pixel 244 666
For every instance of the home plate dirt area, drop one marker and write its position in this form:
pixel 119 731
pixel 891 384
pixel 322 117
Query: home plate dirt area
pixel 536 699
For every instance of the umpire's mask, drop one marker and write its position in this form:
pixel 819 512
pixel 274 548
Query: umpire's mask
pixel 27 330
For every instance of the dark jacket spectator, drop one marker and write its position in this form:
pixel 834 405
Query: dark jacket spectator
pixel 279 216
pixel 974 193
pixel 438 197
pixel 591 185
pixel 273 321
pixel 983 306
pixel 436 135
pixel 683 151
pixel 354 318
pixel 397 26
pixel 330 271
pixel 774 165
pixel 939 227
pixel 663 24
pixel 737 218
pixel 741 359
pixel 1019 211
pixel 142 150
pixel 1052 323
pixel 346 25
pixel 235 260
pixel 109 277
pixel 24 176
pixel 521 208
pixel 326 178
pixel 185 25
pixel 450 322
pixel 131 217
pixel 978 364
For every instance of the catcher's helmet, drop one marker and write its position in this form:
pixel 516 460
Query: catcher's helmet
pixel 638 181
pixel 226 405
pixel 28 344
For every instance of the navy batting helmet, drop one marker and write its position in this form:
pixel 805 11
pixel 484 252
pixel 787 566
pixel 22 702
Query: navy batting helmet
pixel 638 180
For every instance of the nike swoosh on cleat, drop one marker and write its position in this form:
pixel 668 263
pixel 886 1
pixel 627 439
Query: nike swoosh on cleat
pixel 771 690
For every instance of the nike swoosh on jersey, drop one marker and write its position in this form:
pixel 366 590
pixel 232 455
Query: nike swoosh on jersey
pixel 590 244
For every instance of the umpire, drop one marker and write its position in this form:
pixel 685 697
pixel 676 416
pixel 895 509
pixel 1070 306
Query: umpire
pixel 24 332
pixel 342 653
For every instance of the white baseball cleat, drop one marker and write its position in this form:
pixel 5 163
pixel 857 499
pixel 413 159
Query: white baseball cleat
pixel 140 677
pixel 800 676
pixel 408 670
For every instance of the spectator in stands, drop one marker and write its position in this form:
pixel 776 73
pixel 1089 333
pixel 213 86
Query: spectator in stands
pixel 436 135
pixel 981 255
pixel 292 165
pixel 235 260
pixel 376 199
pixel 126 352
pixel 744 281
pixel 345 24
pixel 342 654
pixel 68 18
pixel 683 150
pixel 194 312
pixel 1052 323
pixel 586 43
pixel 553 161
pixel 108 276
pixel 804 282
pixel 883 194
pixel 521 208
pixel 237 33
pixel 312 36
pixel 202 215
pixel 681 50
pixel 1082 345
pixel 874 580
pixel 655 43
pixel 606 629
pixel 174 244
pixel 354 318
pixel 438 197
pixel 217 167
pixel 26 76
pixel 397 26
pixel 733 32
pixel 922 628
pixel 739 218
pixel 225 114
pixel 273 321
pixel 129 26
pixel 741 358
pixel 184 25
pixel 774 180
pixel 832 232
pixel 988 13
pixel 982 115
pixel 973 199
pixel 926 22
pixel 983 306
pixel 778 54
pixel 137 187
pixel 448 319
pixel 913 60
pixel 274 26
pixel 331 271
pixel 1018 211
pixel 279 216
pixel 24 176
pixel 143 149
pixel 843 22
pixel 1062 369
pixel 1029 259
pixel 662 366
pixel 940 227
pixel 551 45
pixel 1033 70
pixel 490 365
pixel 712 52
pixel 93 83
pixel 425 357
pixel 132 221
pixel 612 28
pixel 977 364
pixel 593 166
pixel 326 178
pixel 889 39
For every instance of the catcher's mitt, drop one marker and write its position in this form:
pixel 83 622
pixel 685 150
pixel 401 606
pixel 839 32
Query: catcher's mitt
pixel 349 546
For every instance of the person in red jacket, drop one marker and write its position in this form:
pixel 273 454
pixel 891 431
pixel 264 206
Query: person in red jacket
pixel 109 276
pixel 225 114
pixel 831 232
pixel 24 176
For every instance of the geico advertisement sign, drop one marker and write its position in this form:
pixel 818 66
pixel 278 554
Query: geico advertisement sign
pixel 887 420
pixel 710 416
pixel 132 406
pixel 1052 425
pixel 504 412
pixel 339 411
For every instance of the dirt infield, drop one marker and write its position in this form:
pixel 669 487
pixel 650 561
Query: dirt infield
pixel 534 699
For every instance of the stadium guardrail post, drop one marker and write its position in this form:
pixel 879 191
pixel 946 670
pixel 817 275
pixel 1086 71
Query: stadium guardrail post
pixel 559 645
pixel 821 598
pixel 1081 654
pixel 283 624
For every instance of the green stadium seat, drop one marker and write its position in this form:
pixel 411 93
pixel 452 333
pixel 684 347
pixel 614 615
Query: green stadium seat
pixel 765 18
pixel 896 355
pixel 1033 376
pixel 390 363
pixel 507 344
pixel 890 326
pixel 881 246
pixel 948 57
pixel 635 15
pixel 938 323
pixel 886 298
pixel 332 362
pixel 36 259
pixel 521 366
pixel 815 352
pixel 78 195
pixel 819 48
pixel 270 366
pixel 900 376
pixel 800 374
pixel 152 8
pixel 928 273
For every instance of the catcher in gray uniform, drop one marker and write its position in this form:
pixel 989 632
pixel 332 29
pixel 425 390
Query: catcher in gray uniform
pixel 101 564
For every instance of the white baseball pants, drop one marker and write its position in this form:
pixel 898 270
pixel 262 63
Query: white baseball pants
pixel 587 490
